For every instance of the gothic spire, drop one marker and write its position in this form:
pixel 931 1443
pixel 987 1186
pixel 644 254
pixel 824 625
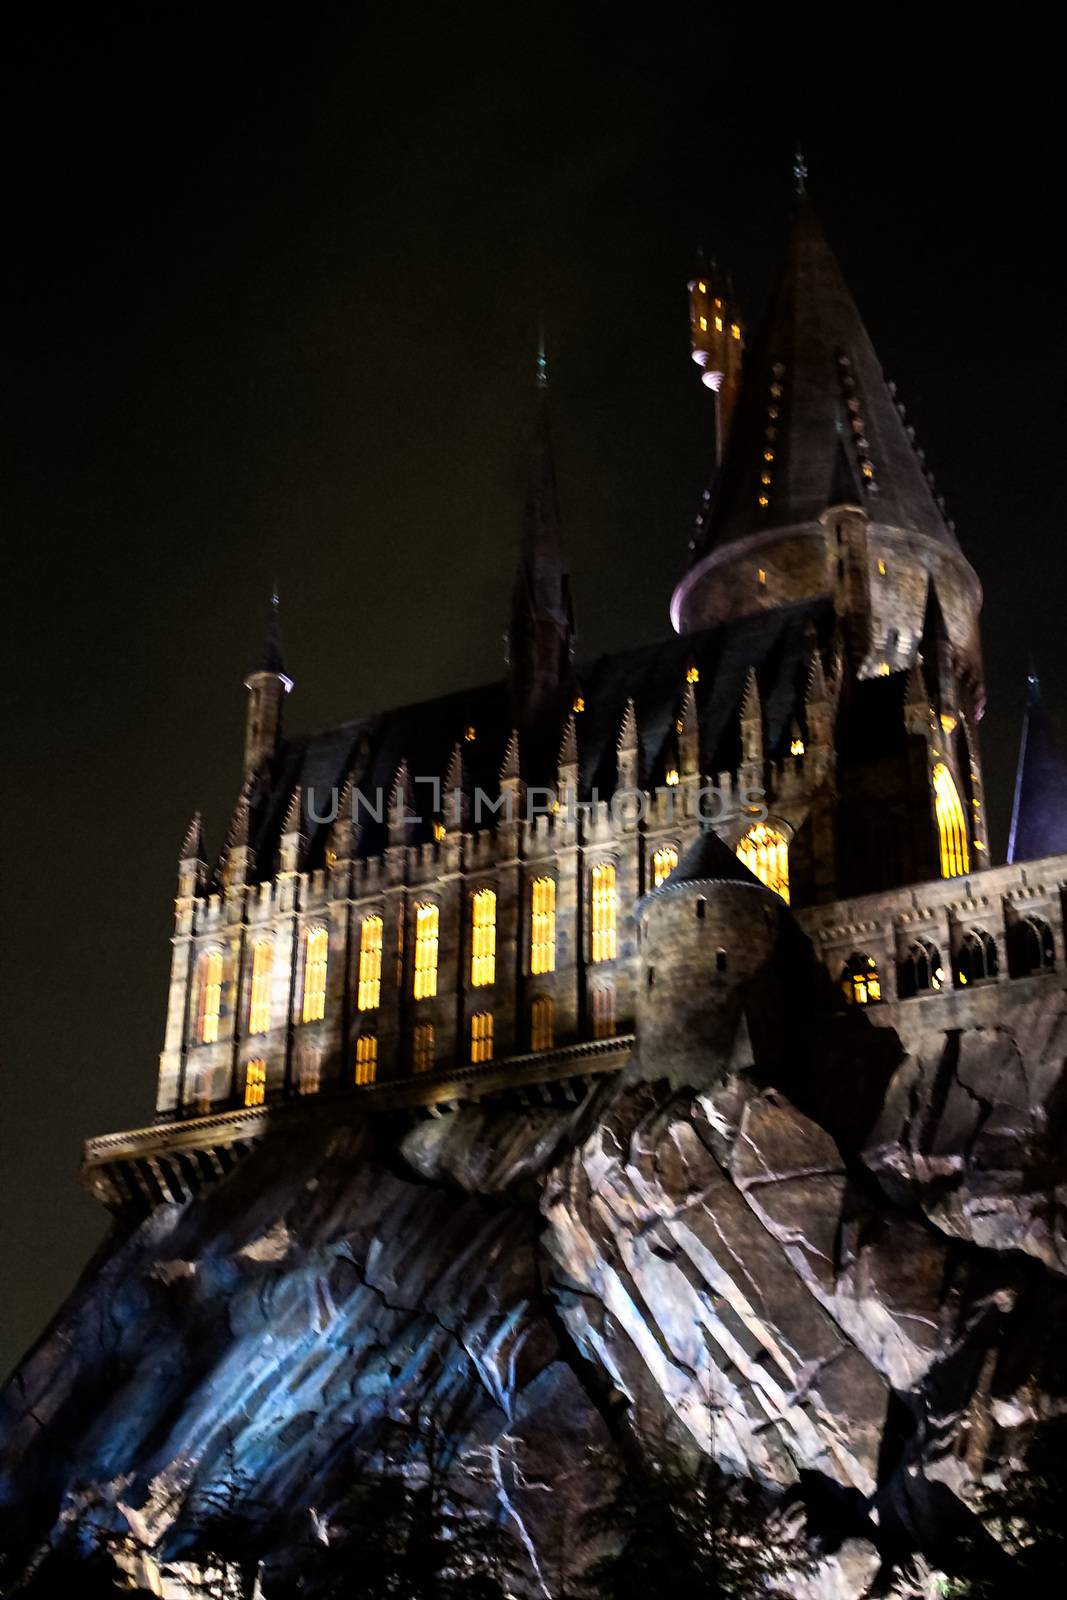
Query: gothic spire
pixel 267 685
pixel 1039 810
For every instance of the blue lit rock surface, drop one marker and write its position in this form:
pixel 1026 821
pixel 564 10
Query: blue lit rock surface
pixel 853 1298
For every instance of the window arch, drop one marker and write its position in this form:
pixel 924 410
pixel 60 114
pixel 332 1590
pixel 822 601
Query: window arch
pixel 951 824
pixel 664 861
pixel 543 1023
pixel 255 1082
pixel 483 938
pixel 366 1058
pixel 765 852
pixel 860 982
pixel 605 905
pixel 316 953
pixel 426 945
pixel 977 958
pixel 369 991
pixel 1032 947
pixel 482 1036
pixel 209 996
pixel 543 925
pixel 921 969
pixel 262 970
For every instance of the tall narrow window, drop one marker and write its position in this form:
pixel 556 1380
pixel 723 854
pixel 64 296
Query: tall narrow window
pixel 765 852
pixel 316 947
pixel 483 938
pixel 209 1002
pixel 543 1023
pixel 310 1072
pixel 602 999
pixel 423 1047
pixel 255 1083
pixel 259 1006
pixel 605 900
pixel 482 1036
pixel 977 959
pixel 951 826
pixel 369 994
pixel 543 925
pixel 426 924
pixel 860 982
pixel 663 864
pixel 366 1058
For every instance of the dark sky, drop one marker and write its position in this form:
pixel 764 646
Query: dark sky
pixel 276 283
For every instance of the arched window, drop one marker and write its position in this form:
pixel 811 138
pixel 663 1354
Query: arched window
pixel 262 968
pixel 255 1083
pixel 921 969
pixel 605 902
pixel 602 1001
pixel 951 824
pixel 369 992
pixel 316 948
pixel 663 864
pixel 310 1072
pixel 366 1058
pixel 209 1000
pixel 483 938
pixel 482 1036
pixel 543 1023
pixel 1032 947
pixel 860 982
pixel 426 924
pixel 765 852
pixel 423 1047
pixel 543 925
pixel 977 959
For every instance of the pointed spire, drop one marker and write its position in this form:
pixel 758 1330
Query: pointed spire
pixel 193 843
pixel 402 818
pixel 689 733
pixel 294 816
pixel 628 749
pixel 273 658
pixel 938 654
pixel 751 722
pixel 567 760
pixel 800 173
pixel 1039 807
pixel 267 685
pixel 509 767
pixel 455 797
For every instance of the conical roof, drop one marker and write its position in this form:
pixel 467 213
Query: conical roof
pixel 708 860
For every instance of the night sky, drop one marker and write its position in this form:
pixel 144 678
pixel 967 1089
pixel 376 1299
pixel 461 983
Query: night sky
pixel 277 280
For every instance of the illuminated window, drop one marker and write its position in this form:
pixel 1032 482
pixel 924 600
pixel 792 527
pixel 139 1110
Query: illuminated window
pixel 209 1002
pixel 670 777
pixel 579 704
pixel 860 982
pixel 703 324
pixel 868 470
pixel 438 832
pixel 921 969
pixel 765 853
pixel 602 1000
pixel 763 577
pixel 255 1083
pixel 763 500
pixel 796 747
pixel 470 733
pixel 366 1058
pixel 735 330
pixel 977 959
pixel 483 938
pixel 426 921
pixel 663 864
pixel 765 479
pixel 718 324
pixel 423 1046
pixel 310 1072
pixel 693 675
pixel 703 288
pixel 951 826
pixel 768 455
pixel 881 568
pixel 262 968
pixel 316 945
pixel 605 900
pixel 543 1023
pixel 482 1036
pixel 369 993
pixel 543 925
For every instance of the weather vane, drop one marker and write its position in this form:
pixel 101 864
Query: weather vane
pixel 800 171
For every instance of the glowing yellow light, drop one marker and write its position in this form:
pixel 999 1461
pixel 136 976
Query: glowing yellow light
pixel 255 1083
pixel 881 568
pixel 671 777
pixel 768 455
pixel 796 747
pixel 948 722
pixel 366 1058
pixel 262 964
pixel 210 1001
pixel 763 500
pixel 703 288
pixel 482 1036
pixel 543 925
pixel 579 704
pixel 470 733
pixel 718 305
pixel 483 938
pixel 703 324
pixel 423 1047
pixel 718 322
pixel 693 675
pixel 369 991
pixel 735 330
pixel 663 864
pixel 542 1023
pixel 951 824
pixel 605 900
pixel 860 981
pixel 316 949
pixel 882 669
pixel 868 470
pixel 765 853
pixel 438 832
pixel 426 944
pixel 762 577
pixel 765 478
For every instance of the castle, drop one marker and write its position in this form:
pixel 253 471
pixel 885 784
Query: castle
pixel 474 895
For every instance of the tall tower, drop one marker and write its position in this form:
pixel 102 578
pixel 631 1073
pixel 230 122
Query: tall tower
pixel 717 342
pixel 267 685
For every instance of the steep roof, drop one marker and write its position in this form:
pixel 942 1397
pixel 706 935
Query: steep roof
pixel 1039 811
pixel 838 434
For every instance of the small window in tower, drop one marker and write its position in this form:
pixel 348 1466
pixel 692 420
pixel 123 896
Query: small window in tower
pixel 369 993
pixel 718 323
pixel 438 832
pixel 693 675
pixel 259 1007
pixel 763 500
pixel 671 777
pixel 703 324
pixel 366 1058
pixel 860 982
pixel 796 747
pixel 702 909
pixel 543 925
pixel 882 568
pixel 703 288
pixel 483 938
pixel 977 960
pixel 720 961
pixel 735 330
pixel 423 1047
pixel 209 1003
pixel 426 943
pixel 765 852
pixel 579 704
pixel 482 1036
pixel 762 577
pixel 605 900
pixel 316 946
pixel 470 733
pixel 255 1082
pixel 663 864
pixel 543 1023
pixel 768 455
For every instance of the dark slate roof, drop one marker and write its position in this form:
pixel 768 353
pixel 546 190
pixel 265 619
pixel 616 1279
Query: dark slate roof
pixel 1039 811
pixel 813 329
pixel 777 643
pixel 709 860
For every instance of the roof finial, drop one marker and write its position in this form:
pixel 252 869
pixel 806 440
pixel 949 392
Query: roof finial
pixel 542 359
pixel 800 171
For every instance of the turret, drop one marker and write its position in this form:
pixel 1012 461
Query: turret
pixel 267 685
pixel 717 341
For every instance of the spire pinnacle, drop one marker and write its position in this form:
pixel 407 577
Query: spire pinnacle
pixel 542 359
pixel 800 172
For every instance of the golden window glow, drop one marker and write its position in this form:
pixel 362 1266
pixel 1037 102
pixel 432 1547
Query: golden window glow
pixel 860 982
pixel 255 1083
pixel 663 864
pixel 868 470
pixel 693 675
pixel 948 723
pixel 765 478
pixel 424 1044
pixel 763 577
pixel 605 901
pixel 763 500
pixel 718 305
pixel 671 777
pixel 543 925
pixel 768 455
pixel 438 832
pixel 881 569
pixel 259 1006
pixel 735 330
pixel 316 947
pixel 482 1036
pixel 703 288
pixel 543 1023
pixel 796 747
pixel 366 1058
pixel 579 703
pixel 470 733
pixel 765 853
pixel 718 324
pixel 483 938
pixel 209 1003
pixel 882 669
pixel 369 993
pixel 426 924
pixel 951 826
pixel 603 1002
pixel 703 324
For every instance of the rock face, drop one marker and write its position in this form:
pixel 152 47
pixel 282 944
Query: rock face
pixel 842 1275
